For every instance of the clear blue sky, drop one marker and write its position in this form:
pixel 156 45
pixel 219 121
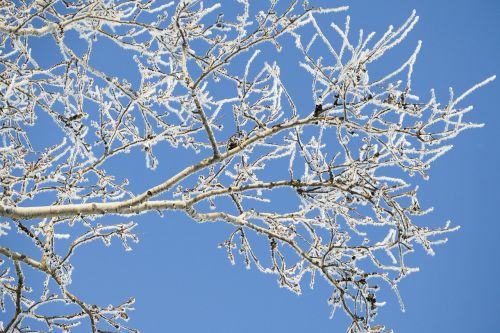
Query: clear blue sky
pixel 183 283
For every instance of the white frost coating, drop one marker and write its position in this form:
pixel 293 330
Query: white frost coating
pixel 62 236
pixel 161 8
pixel 341 155
pixel 4 228
pixel 471 90
pixel 10 88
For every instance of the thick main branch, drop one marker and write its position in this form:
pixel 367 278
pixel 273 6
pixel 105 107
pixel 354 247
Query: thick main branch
pixel 140 203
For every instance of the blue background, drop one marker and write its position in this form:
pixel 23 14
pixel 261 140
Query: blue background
pixel 183 283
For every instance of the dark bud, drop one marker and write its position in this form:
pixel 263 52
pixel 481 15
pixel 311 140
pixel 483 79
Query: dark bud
pixel 232 142
pixel 336 101
pixel 371 298
pixel 318 110
pixel 75 117
pixel 390 99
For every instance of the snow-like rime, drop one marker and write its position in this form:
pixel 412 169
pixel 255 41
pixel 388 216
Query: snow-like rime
pixel 209 81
